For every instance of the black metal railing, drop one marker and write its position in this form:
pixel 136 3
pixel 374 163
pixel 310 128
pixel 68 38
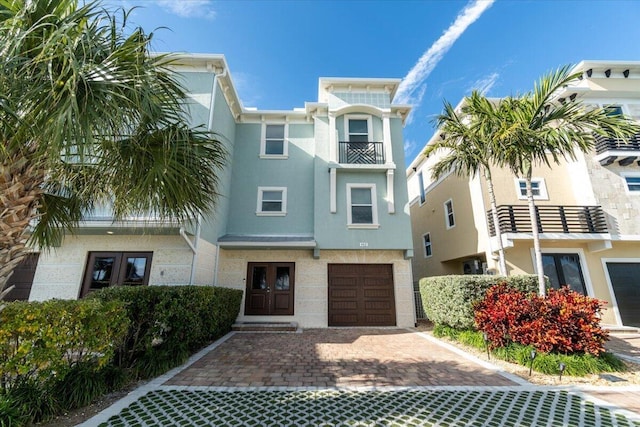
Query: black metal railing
pixel 551 219
pixel 361 153
pixel 604 144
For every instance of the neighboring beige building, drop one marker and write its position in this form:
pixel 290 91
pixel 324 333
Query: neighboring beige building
pixel 589 209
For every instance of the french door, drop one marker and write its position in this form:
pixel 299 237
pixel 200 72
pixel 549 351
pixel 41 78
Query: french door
pixel 270 287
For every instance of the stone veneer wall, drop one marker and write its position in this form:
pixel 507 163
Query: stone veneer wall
pixel 59 272
pixel 609 188
pixel 311 281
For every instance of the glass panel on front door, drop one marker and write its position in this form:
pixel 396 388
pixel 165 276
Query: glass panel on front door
pixel 259 280
pixel 282 278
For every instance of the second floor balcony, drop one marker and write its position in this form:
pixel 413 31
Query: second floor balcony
pixel 610 150
pixel 551 219
pixel 361 153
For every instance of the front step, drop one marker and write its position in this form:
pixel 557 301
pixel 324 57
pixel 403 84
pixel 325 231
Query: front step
pixel 265 327
pixel 615 329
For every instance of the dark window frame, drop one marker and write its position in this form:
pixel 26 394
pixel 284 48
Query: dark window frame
pixel 119 269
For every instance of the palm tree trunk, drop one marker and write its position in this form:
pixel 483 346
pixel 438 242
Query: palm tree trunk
pixel 20 192
pixel 533 215
pixel 494 215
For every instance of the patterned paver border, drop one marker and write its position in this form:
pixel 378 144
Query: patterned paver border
pixel 428 406
pixel 155 404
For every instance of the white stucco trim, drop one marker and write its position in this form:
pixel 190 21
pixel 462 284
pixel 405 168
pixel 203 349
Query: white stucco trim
pixel 374 206
pixel 367 117
pixel 542 186
pixel 261 191
pixel 447 223
pixel 614 301
pixel 332 191
pixel 386 139
pixel 583 264
pixel 626 175
pixel 263 141
pixel 333 139
pixel 390 193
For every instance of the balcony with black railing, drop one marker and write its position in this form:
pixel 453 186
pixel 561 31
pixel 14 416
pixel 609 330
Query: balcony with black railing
pixel 551 219
pixel 361 153
pixel 625 152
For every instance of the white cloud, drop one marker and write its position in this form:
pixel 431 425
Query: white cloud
pixel 416 76
pixel 485 84
pixel 247 87
pixel 189 8
pixel 409 147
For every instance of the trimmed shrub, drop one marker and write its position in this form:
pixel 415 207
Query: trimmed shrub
pixel 43 343
pixel 448 300
pixel 562 322
pixel 168 323
pixel 44 340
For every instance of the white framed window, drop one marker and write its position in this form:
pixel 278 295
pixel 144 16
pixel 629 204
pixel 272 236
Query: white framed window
pixel 632 182
pixel 274 141
pixel 613 109
pixel 272 201
pixel 426 243
pixel 423 195
pixel 449 216
pixel 538 188
pixel 357 128
pixel 362 211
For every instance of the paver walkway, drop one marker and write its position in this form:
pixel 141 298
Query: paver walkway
pixel 627 345
pixel 355 377
pixel 335 357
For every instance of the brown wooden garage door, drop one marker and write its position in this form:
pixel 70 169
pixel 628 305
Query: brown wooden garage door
pixel 361 295
pixel 22 279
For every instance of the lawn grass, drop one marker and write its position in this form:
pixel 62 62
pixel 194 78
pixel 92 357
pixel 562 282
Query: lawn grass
pixel 547 363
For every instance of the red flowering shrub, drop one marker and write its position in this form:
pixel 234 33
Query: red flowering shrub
pixel 562 322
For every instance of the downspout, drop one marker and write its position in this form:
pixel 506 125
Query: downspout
pixel 196 243
pixel 212 106
pixel 192 246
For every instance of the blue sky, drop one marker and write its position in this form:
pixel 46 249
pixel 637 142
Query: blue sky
pixel 277 50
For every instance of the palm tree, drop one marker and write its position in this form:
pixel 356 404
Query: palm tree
pixel 538 129
pixel 468 138
pixel 88 117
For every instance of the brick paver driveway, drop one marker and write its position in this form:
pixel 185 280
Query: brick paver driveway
pixel 335 357
pixel 351 377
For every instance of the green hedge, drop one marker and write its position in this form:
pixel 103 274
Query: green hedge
pixel 168 323
pixel 448 300
pixel 45 345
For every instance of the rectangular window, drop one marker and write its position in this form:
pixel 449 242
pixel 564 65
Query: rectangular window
pixel 633 183
pixel 272 201
pixel 448 213
pixel 613 110
pixel 274 141
pixel 538 188
pixel 361 202
pixel 106 269
pixel 423 196
pixel 426 239
pixel 357 128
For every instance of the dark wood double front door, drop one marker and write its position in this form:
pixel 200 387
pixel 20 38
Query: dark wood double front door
pixel 270 287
